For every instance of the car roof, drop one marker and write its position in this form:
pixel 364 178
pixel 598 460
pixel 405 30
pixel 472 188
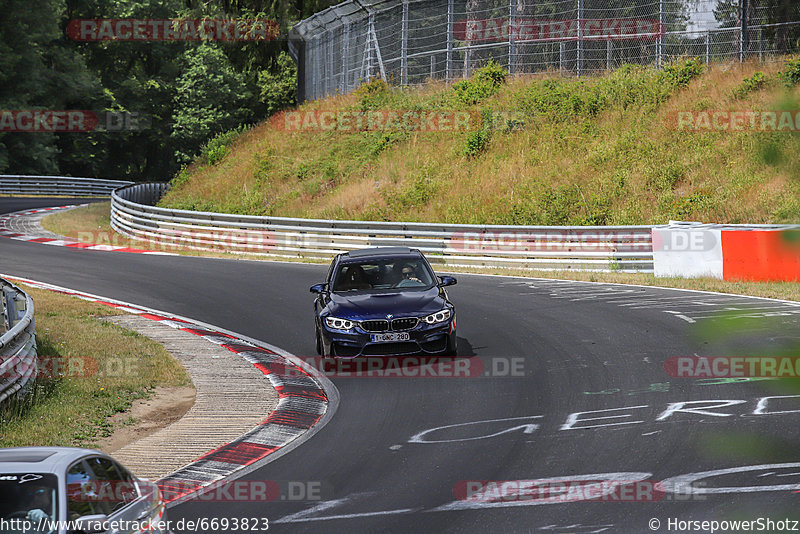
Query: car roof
pixel 41 459
pixel 380 252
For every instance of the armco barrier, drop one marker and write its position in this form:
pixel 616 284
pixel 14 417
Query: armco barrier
pixel 728 252
pixel 58 186
pixel 18 360
pixel 596 248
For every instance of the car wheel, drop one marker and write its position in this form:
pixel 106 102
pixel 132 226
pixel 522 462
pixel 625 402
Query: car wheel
pixel 319 341
pixel 452 345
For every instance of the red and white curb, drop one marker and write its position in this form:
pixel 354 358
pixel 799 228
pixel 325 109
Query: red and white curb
pixel 306 402
pixel 5 231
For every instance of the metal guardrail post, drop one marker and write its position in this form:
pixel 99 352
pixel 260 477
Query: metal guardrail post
pixel 512 24
pixel 404 46
pixel 660 41
pixel 346 60
pixel 579 65
pixel 450 22
pixel 744 39
pixel 10 307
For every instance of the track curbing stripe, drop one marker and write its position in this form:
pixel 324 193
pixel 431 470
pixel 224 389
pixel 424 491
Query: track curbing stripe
pixel 268 437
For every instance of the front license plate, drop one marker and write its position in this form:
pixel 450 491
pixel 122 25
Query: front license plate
pixel 393 336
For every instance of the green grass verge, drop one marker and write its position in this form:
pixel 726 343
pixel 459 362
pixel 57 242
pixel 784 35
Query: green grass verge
pixel 117 366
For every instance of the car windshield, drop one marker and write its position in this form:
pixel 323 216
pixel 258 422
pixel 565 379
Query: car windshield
pixel 31 496
pixel 392 273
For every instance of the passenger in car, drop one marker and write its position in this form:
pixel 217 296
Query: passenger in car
pixel 354 278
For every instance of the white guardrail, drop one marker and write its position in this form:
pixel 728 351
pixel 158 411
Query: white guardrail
pixel 18 360
pixel 134 214
pixel 594 248
pixel 58 186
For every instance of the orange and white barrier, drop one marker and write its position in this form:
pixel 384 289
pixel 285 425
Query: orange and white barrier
pixel 727 252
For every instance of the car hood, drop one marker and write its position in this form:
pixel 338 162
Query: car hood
pixel 377 305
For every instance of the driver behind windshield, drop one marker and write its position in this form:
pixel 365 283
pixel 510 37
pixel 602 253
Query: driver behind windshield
pixel 27 502
pixel 40 507
pixel 410 278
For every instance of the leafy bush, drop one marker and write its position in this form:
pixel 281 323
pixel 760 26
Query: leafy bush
pixel 564 99
pixel 373 93
pixel 749 85
pixel 477 142
pixel 484 83
pixel 492 74
pixel 384 140
pixel 679 73
pixel 278 90
pixel 791 76
pixel 217 147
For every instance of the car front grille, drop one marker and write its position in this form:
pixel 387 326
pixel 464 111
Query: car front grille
pixel 379 325
pixel 404 323
pixel 397 325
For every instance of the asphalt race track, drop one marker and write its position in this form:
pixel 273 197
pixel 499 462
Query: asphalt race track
pixel 385 464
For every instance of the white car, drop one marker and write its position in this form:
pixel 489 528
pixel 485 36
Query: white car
pixel 63 490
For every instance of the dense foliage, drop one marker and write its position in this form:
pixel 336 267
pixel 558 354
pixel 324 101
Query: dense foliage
pixel 182 93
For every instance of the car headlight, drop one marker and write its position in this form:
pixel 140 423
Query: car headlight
pixel 339 324
pixel 438 317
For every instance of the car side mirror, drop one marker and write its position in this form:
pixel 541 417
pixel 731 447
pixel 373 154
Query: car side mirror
pixel 319 288
pixel 447 281
pixel 91 524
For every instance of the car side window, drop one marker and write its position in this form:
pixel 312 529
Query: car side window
pixel 82 492
pixel 128 490
pixel 113 488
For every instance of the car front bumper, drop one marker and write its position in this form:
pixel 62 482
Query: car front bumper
pixel 424 338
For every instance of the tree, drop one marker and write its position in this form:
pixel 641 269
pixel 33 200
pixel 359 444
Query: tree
pixel 38 70
pixel 211 97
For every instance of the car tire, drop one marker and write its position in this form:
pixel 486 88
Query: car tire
pixel 320 347
pixel 452 345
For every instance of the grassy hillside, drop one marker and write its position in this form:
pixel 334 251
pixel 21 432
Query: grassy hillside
pixel 547 150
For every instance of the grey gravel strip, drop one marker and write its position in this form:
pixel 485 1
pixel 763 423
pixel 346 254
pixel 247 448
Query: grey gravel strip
pixel 232 398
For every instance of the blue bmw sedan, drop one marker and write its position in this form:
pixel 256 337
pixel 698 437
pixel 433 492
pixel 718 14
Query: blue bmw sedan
pixel 381 302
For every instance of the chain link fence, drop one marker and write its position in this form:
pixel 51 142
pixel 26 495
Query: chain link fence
pixel 409 42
